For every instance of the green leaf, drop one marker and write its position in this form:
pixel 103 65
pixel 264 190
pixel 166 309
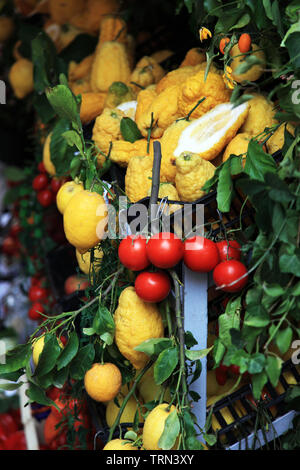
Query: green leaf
pixel 61 153
pixel 69 351
pixel 154 346
pixel 73 139
pixel 229 320
pixel 225 188
pixel 258 163
pixel 193 355
pixel 189 339
pixel 10 386
pixel 60 377
pixel 82 362
pixel 258 383
pixel 290 263
pixel 104 324
pixel 37 395
pixel 242 22
pixel 14 174
pixel 48 356
pixel 165 365
pixel 171 431
pixel 44 61
pixel 218 351
pixel 64 103
pixel 273 369
pixel 256 363
pixel 283 339
pixel 129 130
pixel 16 359
pixel 256 316
pixel 273 290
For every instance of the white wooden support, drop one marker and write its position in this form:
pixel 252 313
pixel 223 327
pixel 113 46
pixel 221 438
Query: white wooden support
pixel 196 321
pixel 27 418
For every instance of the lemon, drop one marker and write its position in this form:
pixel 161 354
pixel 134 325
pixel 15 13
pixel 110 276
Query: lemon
pixel 38 347
pixel 65 194
pixel 255 72
pixel 50 168
pixel 21 78
pixel 154 426
pixel 276 142
pixel 85 219
pixel 261 115
pixel 149 390
pixel 128 414
pixel 238 146
pixel 208 135
pixel 7 27
pixel 119 444
pixel 103 381
pixel 136 321
pixel 84 260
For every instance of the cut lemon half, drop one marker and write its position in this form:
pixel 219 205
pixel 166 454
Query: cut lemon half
pixel 128 108
pixel 208 135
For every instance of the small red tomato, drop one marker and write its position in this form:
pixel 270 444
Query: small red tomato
pixel 153 286
pixel 132 252
pixel 165 250
pixel 228 272
pixel 45 198
pixel 41 168
pixel 40 182
pixel 16 441
pixel 37 293
pixel 15 229
pixel 230 249
pixel 55 185
pixel 35 311
pixel 8 424
pixel 9 246
pixel 244 43
pixel 221 377
pixel 235 370
pixel 223 368
pixel 223 43
pixel 200 254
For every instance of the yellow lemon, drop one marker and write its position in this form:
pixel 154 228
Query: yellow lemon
pixel 50 168
pixel 103 381
pixel 65 194
pixel 84 260
pixel 255 72
pixel 128 414
pixel 38 347
pixel 149 390
pixel 21 78
pixel 7 27
pixel 119 444
pixel 85 219
pixel 154 426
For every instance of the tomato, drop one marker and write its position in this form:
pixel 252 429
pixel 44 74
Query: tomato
pixel 53 392
pixel 230 249
pixel 45 197
pixel 200 254
pixel 37 293
pixel 223 43
pixel 16 441
pixel 41 168
pixel 55 185
pixel 165 250
pixel 132 252
pixel 235 370
pixel 244 43
pixel 15 229
pixel 230 271
pixel 33 312
pixel 40 182
pixel 66 405
pixel 221 376
pixel 152 286
pixel 8 423
pixel 9 246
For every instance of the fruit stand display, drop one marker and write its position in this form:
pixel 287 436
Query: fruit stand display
pixel 153 212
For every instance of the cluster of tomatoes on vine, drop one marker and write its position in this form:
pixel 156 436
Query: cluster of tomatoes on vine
pixel 165 250
pixel 39 296
pixel 46 190
pixel 11 244
pixel 244 43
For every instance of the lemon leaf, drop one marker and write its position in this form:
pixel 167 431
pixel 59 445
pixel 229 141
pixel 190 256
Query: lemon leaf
pixel 130 130
pixel 69 352
pixel 170 432
pixel 48 356
pixel 154 346
pixel 258 163
pixel 165 365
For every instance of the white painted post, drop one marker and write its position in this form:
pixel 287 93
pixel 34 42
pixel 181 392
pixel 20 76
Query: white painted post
pixel 196 320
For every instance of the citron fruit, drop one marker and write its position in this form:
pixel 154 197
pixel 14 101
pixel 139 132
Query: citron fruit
pixel 136 321
pixel 261 115
pixel 65 194
pixel 208 135
pixel 84 260
pixel 119 444
pixel 149 390
pixel 238 146
pixel 255 72
pixel 276 141
pixel 50 168
pixel 7 27
pixel 128 108
pixel 38 347
pixel 85 219
pixel 103 381
pixel 128 414
pixel 154 426
pixel 21 78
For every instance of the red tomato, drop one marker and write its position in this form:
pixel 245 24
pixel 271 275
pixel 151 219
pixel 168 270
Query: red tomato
pixel 152 287
pixel 41 168
pixel 223 43
pixel 15 229
pixel 200 254
pixel 235 370
pixel 75 283
pixel 45 197
pixel 8 423
pixel 9 246
pixel 221 376
pixel 53 393
pixel 40 182
pixel 33 312
pixel 66 405
pixel 16 441
pixel 37 293
pixel 230 249
pixel 55 185
pixel 244 43
pixel 229 271
pixel 165 250
pixel 132 252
